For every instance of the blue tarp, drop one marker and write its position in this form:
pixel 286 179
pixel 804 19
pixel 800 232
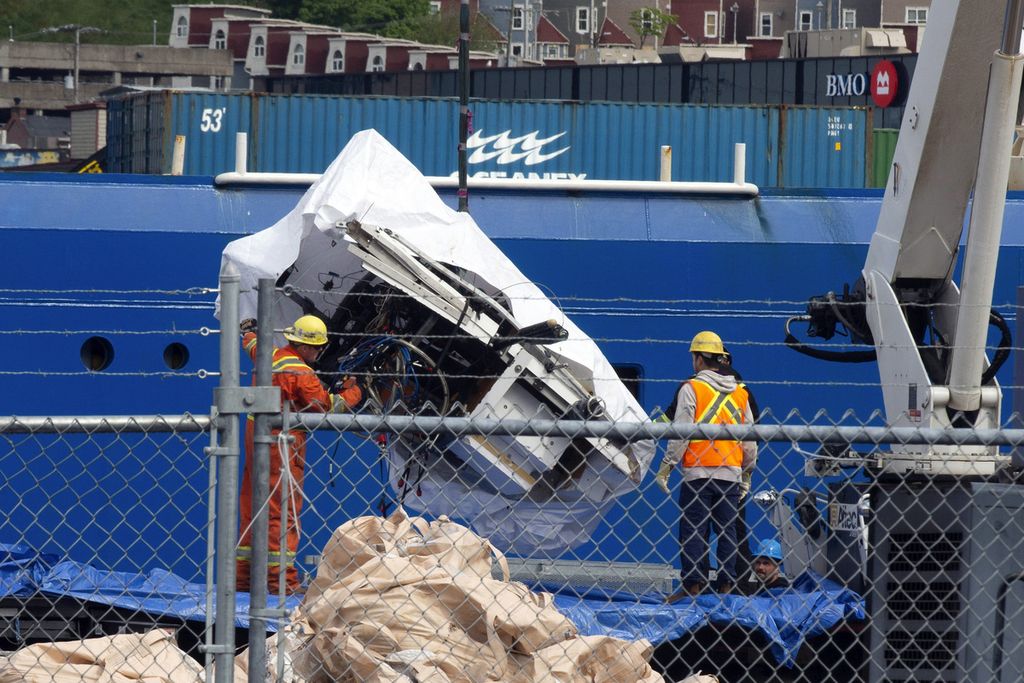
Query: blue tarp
pixel 786 617
pixel 24 572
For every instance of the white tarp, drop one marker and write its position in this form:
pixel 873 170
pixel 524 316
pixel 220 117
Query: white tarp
pixel 370 181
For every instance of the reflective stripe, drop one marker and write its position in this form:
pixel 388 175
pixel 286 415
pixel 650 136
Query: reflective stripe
pixel 284 360
pixel 249 344
pixel 244 552
pixel 291 366
pixel 711 411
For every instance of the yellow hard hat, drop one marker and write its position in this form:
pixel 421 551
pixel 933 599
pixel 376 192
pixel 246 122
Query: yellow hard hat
pixel 707 342
pixel 308 329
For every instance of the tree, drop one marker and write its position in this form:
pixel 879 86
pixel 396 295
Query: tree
pixel 374 16
pixel 442 28
pixel 650 21
pixel 283 9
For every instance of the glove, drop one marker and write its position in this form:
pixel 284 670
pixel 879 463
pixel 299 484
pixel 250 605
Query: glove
pixel 745 484
pixel 351 393
pixel 662 477
pixel 248 325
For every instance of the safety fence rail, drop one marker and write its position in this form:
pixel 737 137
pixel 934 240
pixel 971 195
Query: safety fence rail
pixel 881 576
pixel 401 538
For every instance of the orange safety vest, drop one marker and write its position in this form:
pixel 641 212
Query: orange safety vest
pixel 714 407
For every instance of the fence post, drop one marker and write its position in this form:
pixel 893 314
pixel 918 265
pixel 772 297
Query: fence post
pixel 261 485
pixel 227 478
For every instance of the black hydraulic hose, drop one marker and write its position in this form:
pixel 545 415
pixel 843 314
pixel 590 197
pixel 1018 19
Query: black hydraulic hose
pixel 823 354
pixel 1002 351
pixel 1000 357
pixel 837 309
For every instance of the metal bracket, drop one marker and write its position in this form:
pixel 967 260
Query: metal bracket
pixel 236 400
pixel 217 649
pixel 821 467
pixel 268 613
pixel 831 459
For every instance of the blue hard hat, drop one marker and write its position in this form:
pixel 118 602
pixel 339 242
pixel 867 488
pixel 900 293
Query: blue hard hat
pixel 769 548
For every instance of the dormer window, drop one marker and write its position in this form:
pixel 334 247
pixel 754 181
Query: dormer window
pixel 259 47
pixel 182 27
pixel 220 41
pixel 299 56
pixel 378 64
pixel 337 61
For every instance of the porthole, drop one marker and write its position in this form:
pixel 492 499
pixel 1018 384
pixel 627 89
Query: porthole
pixel 97 353
pixel 176 356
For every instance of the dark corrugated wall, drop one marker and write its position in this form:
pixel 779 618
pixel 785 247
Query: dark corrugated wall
pixel 780 81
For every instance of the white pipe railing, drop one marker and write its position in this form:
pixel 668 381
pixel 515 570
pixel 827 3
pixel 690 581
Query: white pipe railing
pixel 241 152
pixel 738 186
pixel 739 163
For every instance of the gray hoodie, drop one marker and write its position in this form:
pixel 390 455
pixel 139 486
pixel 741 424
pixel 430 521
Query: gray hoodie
pixel 686 403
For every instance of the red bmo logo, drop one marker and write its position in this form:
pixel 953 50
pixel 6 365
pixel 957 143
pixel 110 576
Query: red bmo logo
pixel 884 83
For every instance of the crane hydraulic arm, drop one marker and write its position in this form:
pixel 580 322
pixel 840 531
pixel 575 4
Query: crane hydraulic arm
pixel 929 335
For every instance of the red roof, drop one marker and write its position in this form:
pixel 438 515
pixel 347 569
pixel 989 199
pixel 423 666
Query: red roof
pixel 675 35
pixel 547 33
pixel 612 35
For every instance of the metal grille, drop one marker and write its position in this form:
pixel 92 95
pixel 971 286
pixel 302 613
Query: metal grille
pixel 922 601
pixel 925 552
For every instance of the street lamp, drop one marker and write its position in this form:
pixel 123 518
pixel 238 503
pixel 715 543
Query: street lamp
pixel 735 11
pixel 78 30
pixel 820 10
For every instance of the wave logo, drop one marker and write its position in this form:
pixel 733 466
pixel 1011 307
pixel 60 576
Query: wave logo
pixel 508 150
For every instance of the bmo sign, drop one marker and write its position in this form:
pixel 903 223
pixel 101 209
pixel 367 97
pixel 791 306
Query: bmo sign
pixel 845 86
pixel 883 84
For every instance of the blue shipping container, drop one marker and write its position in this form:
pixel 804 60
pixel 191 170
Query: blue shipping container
pixel 544 140
pixel 824 147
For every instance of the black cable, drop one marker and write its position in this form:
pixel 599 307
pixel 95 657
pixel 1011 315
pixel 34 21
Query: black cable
pixel 1003 350
pixel 822 354
pixel 850 327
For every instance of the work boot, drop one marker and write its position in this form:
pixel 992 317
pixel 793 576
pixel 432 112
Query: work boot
pixel 689 591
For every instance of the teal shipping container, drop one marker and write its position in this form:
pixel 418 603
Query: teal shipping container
pixel 786 146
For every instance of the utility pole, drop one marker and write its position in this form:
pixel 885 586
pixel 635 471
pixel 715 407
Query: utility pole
pixel 592 19
pixel 720 22
pixel 511 24
pixel 78 30
pixel 526 29
pixel 463 105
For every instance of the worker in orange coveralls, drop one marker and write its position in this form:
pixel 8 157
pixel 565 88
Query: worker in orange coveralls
pixel 303 390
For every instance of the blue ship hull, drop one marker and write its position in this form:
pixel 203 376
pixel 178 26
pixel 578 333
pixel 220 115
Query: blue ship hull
pixel 120 257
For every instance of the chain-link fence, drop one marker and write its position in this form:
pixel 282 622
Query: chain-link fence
pixel 441 516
